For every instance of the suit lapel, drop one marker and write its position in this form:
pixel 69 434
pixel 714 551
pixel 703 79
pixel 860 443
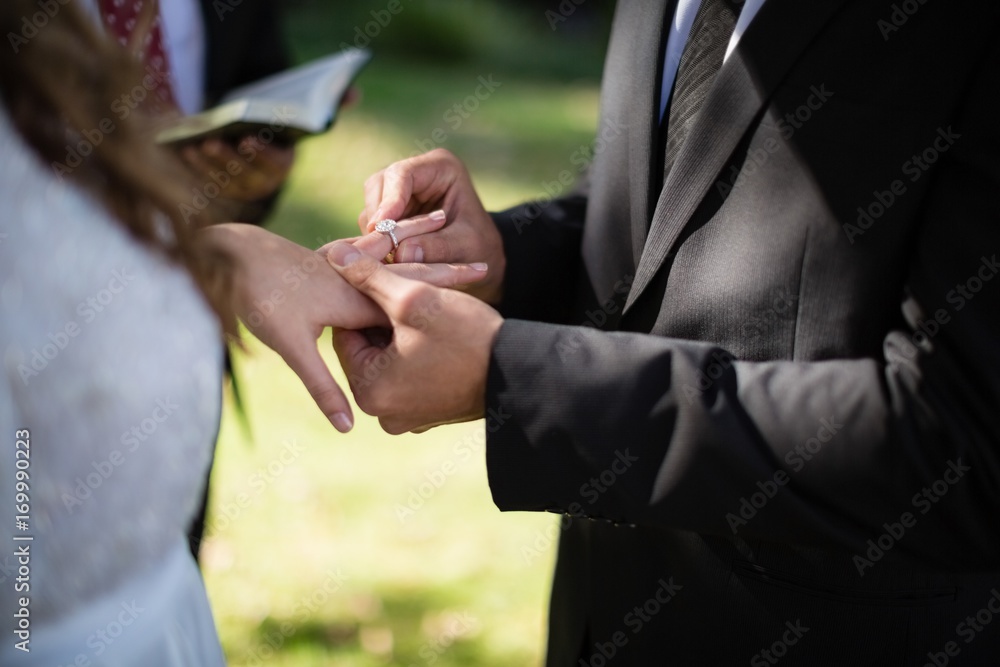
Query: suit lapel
pixel 643 115
pixel 778 34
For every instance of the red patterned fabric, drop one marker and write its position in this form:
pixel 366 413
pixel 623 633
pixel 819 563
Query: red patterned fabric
pixel 123 18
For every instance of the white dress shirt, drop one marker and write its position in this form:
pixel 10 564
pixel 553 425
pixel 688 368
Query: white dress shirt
pixel 184 37
pixel 680 30
pixel 184 41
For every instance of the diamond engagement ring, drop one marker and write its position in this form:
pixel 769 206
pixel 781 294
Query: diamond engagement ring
pixel 388 226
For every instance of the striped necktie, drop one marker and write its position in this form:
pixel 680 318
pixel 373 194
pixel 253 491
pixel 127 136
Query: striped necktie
pixel 700 63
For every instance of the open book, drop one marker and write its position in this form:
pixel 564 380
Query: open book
pixel 297 102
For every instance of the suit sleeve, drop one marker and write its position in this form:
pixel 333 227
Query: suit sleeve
pixel 902 448
pixel 542 242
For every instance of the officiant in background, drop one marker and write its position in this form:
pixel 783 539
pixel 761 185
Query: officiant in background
pixel 198 51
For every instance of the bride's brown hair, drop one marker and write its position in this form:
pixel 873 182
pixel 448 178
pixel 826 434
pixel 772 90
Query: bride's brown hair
pixel 60 77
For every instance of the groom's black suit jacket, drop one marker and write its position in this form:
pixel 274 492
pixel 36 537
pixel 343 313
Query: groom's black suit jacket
pixel 778 427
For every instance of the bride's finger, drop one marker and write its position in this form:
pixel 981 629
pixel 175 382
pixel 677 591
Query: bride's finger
pixel 442 275
pixel 306 362
pixel 379 244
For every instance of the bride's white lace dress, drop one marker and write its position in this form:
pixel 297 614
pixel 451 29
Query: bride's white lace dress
pixel 112 361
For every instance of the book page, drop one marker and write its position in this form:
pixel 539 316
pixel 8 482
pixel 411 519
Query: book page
pixel 312 91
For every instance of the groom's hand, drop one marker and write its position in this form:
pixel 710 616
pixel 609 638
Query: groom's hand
pixel 433 371
pixel 287 295
pixel 438 180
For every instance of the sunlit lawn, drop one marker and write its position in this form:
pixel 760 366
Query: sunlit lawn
pixel 368 549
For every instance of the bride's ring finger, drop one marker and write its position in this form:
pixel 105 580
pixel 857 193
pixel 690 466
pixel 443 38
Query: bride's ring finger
pixel 384 240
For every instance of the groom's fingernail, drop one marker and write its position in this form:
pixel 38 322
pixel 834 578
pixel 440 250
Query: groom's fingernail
pixel 408 253
pixel 342 254
pixel 480 266
pixel 342 422
pixel 437 216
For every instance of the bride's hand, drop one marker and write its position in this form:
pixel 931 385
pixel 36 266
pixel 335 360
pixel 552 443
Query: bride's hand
pixel 287 295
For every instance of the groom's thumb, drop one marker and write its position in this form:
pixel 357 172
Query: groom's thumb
pixel 370 277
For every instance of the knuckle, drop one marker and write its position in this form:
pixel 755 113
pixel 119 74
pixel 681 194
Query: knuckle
pixel 448 277
pixel 324 394
pixel 364 277
pixel 414 298
pixel 397 170
pixel 442 154
pixel 363 398
pixel 459 275
pixel 381 401
pixel 391 426
pixel 379 407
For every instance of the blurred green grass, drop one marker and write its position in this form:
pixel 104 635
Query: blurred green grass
pixel 366 549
